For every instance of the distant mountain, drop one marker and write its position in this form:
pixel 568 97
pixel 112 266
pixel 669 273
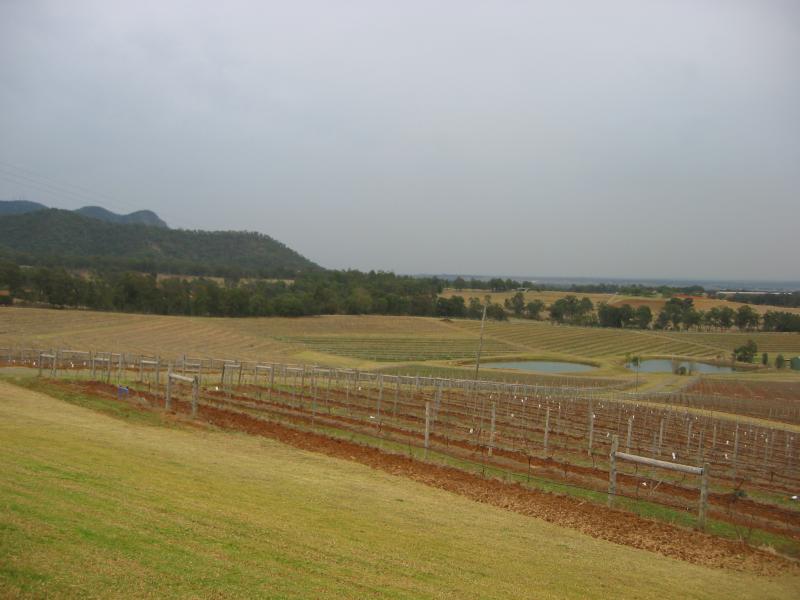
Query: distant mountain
pixel 140 217
pixel 65 238
pixel 19 207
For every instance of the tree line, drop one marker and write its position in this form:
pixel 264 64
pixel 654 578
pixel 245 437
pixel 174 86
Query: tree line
pixel 498 284
pixel 313 293
pixel 350 292
pixel 785 299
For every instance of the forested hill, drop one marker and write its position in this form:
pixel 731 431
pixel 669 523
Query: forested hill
pixel 142 217
pixel 63 238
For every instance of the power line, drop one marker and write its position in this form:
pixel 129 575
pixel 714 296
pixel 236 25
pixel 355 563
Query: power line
pixel 26 177
pixel 53 186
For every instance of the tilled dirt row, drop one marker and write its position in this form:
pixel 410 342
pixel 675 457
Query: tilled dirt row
pixel 594 520
pixel 747 512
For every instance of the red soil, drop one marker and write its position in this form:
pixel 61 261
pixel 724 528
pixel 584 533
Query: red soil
pixel 594 520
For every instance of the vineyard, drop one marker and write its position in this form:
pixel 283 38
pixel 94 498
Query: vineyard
pixel 560 437
pixel 595 342
pixel 364 341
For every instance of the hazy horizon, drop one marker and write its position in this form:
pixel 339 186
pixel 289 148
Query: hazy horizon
pixel 632 140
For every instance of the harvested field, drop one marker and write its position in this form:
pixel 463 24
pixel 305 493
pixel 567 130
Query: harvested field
pixel 359 340
pixel 591 342
pixel 656 303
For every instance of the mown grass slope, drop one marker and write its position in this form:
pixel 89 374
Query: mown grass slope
pixel 99 506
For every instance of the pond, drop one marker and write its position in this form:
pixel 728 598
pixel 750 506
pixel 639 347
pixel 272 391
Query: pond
pixel 665 366
pixel 549 366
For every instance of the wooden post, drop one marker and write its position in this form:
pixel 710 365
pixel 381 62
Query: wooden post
pixel 546 431
pixel 714 437
pixel 396 396
pixel 701 516
pixel 427 427
pixel 380 400
pixel 271 381
pixel 313 398
pixel 328 391
pixel 491 431
pixel 195 394
pixel 660 436
pixel 158 373
pixel 168 400
pixel 701 451
pixel 630 431
pixel 736 449
pixel 612 470
pixel 40 363
pixel 591 432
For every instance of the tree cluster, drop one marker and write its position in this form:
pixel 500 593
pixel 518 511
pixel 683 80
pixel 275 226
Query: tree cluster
pixel 573 311
pixel 322 292
pixel 785 299
pixel 624 316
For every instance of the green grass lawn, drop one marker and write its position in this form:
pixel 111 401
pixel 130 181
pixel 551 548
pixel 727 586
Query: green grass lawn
pixel 102 505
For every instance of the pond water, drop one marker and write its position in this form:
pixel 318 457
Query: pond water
pixel 665 366
pixel 549 366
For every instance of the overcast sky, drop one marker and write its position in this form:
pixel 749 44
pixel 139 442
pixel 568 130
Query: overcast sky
pixel 578 138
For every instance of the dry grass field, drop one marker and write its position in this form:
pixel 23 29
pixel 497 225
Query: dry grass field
pixel 362 341
pixel 655 303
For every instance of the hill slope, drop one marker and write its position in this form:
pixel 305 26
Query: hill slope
pixel 64 238
pixel 19 207
pixel 96 504
pixel 141 217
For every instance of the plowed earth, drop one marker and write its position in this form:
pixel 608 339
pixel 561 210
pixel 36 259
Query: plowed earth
pixel 597 521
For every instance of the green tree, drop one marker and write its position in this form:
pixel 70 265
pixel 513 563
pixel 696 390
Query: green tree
pixel 10 276
pixel 691 318
pixel 642 317
pixel 359 302
pixel 533 309
pixel 726 317
pixel 496 312
pixel 711 318
pixel 474 309
pixel 746 318
pixel 516 304
pixel 746 352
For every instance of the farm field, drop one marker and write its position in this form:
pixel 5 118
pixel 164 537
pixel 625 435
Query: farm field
pixel 655 303
pixel 120 506
pixel 362 341
pixel 561 436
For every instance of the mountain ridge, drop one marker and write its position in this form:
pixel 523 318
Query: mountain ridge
pixel 141 217
pixel 54 237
